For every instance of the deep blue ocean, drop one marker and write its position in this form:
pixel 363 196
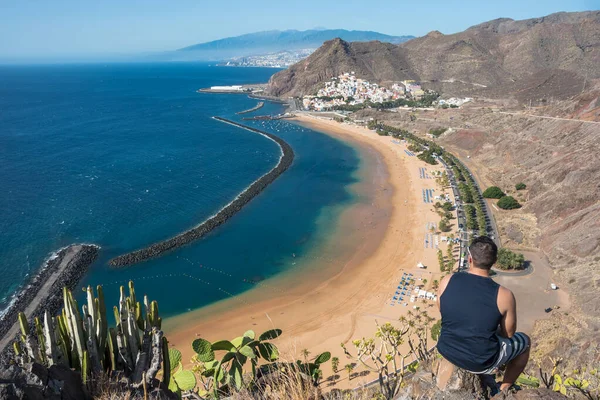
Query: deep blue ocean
pixel 124 155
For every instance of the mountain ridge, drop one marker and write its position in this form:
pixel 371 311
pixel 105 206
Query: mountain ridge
pixel 276 40
pixel 486 59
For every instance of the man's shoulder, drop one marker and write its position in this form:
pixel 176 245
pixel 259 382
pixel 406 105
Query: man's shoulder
pixel 505 296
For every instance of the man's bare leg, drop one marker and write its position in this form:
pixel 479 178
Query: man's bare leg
pixel 514 368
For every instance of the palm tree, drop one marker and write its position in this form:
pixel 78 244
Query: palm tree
pixel 335 363
pixel 305 354
pixel 349 368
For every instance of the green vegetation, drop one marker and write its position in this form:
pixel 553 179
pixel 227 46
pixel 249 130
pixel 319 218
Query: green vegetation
pixel 437 131
pixel 444 226
pixel 493 192
pixel 428 157
pixel 84 342
pixel 520 186
pixel 440 255
pixel 335 364
pixel 470 214
pixel 329 98
pixel 383 354
pixel 225 375
pixel 426 101
pixel 508 260
pixel 447 206
pixel 436 329
pixel 508 203
pixel 465 193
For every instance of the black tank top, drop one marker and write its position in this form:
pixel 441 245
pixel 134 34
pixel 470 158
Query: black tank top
pixel 470 317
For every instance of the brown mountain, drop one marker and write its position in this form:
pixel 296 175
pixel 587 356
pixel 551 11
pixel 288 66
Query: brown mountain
pixel 550 56
pixel 375 61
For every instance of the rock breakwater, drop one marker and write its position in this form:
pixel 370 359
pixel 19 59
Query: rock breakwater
pixel 256 107
pixel 44 291
pixel 157 249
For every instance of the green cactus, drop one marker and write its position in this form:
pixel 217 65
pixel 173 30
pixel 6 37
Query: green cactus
pixel 17 349
pixel 63 341
pixel 23 324
pixel 80 338
pixel 102 329
pixel 53 353
pixel 132 293
pixel 229 370
pixel 75 326
pixel 39 331
pixel 166 361
pixel 85 371
pixel 112 346
pixel 154 319
pixel 31 349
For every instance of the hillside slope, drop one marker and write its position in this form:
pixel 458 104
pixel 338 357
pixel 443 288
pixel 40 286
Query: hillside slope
pixel 552 56
pixel 374 61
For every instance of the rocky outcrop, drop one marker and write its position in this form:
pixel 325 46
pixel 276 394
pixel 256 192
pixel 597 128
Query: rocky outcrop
pixel 37 382
pixel 58 382
pixel 443 380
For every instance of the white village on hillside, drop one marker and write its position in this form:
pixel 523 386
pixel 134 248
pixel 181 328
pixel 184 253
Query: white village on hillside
pixel 347 89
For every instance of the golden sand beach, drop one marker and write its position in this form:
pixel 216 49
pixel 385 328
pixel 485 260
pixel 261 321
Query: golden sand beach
pixel 318 311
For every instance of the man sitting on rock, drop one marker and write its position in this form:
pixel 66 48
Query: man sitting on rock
pixel 479 319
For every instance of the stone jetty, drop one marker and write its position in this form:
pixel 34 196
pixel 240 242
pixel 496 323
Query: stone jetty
pixel 157 249
pixel 44 290
pixel 256 107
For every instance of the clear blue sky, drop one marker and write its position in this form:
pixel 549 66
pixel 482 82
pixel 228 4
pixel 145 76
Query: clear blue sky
pixel 84 28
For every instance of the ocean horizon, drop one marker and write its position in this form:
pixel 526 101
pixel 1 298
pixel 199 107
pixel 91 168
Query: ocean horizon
pixel 126 155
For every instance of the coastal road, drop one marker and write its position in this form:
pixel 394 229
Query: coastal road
pixel 486 209
pixel 464 239
pixel 41 295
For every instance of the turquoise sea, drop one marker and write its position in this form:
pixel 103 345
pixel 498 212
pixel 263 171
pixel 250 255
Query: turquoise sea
pixel 124 155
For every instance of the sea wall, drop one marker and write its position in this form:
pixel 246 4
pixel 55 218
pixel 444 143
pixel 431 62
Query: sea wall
pixel 256 107
pixel 71 263
pixel 157 249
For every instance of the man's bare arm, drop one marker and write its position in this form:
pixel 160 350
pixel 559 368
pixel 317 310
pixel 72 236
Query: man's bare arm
pixel 507 305
pixel 441 289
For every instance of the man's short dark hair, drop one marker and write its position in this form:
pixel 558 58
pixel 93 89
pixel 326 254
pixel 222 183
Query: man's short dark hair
pixel 484 252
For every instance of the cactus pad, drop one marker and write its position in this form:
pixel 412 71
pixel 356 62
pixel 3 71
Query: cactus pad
pixel 186 380
pixel 174 358
pixel 204 350
pixel 323 358
pixel 270 334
